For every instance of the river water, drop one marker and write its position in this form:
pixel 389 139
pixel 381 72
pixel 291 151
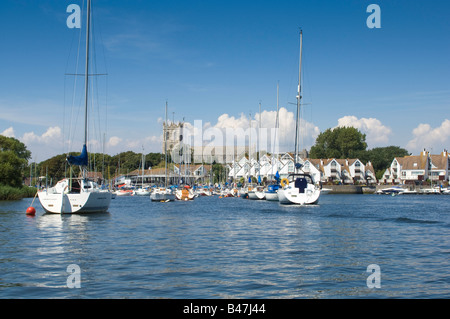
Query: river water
pixel 220 248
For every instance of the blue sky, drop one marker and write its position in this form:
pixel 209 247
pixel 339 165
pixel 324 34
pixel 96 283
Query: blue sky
pixel 210 58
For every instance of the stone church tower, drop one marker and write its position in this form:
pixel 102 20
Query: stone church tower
pixel 173 134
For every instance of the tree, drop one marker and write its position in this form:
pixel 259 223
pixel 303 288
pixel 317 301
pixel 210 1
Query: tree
pixel 340 142
pixel 382 157
pixel 13 160
pixel 218 172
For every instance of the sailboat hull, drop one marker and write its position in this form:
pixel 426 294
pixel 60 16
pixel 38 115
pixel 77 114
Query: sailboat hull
pixel 291 195
pixel 162 195
pixel 256 195
pixel 272 196
pixel 158 197
pixel 85 202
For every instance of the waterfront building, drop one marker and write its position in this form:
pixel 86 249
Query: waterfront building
pixel 337 171
pixel 415 169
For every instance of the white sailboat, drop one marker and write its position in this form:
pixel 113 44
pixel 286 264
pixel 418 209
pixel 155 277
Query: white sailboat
pixel 299 188
pixel 257 192
pixel 79 195
pixel 272 189
pixel 141 191
pixel 163 194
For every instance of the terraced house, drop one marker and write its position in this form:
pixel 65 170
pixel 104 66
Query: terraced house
pixel 337 171
pixel 415 169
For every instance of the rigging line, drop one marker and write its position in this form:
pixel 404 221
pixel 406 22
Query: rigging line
pixel 64 101
pixel 71 128
pixel 95 85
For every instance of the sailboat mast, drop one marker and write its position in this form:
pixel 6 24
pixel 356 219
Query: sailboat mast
pixel 276 128
pixel 259 144
pixel 298 98
pixel 86 75
pixel 250 150
pixel 165 148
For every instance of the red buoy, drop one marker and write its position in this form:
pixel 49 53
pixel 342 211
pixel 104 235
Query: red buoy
pixel 31 211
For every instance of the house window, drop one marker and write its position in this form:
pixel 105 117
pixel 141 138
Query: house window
pixel 291 166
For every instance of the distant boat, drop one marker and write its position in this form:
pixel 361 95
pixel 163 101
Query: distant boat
pixel 257 193
pixel 299 188
pixel 163 194
pixel 325 190
pixel 124 192
pixel 141 192
pixel 185 193
pixel 79 195
pixel 391 190
pixel 434 190
pixel 272 192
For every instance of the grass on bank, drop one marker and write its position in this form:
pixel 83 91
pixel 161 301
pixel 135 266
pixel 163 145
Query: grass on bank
pixel 14 193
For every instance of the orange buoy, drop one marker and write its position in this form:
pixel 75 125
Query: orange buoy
pixel 31 211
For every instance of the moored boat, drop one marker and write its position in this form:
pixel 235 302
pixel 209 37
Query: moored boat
pixel 300 189
pixel 272 192
pixel 185 193
pixel 81 195
pixel 162 194
pixel 256 193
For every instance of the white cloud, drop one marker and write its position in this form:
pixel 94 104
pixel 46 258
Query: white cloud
pixel 376 133
pixel 239 127
pixel 50 137
pixel 9 132
pixel 225 121
pixel 430 138
pixel 42 146
pixel 114 141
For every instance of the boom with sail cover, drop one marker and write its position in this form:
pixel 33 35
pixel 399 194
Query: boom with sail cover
pixel 80 160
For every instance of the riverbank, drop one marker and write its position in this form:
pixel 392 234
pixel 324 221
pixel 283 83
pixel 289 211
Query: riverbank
pixel 13 193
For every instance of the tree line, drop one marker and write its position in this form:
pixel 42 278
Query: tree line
pixel 57 168
pixel 349 142
pixel 340 142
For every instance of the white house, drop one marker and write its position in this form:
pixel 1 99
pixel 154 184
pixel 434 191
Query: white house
pixel 418 168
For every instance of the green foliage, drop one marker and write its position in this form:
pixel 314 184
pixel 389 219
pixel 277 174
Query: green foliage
pixel 13 160
pixel 218 172
pixel 382 157
pixel 15 193
pixel 56 168
pixel 340 142
pixel 348 142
